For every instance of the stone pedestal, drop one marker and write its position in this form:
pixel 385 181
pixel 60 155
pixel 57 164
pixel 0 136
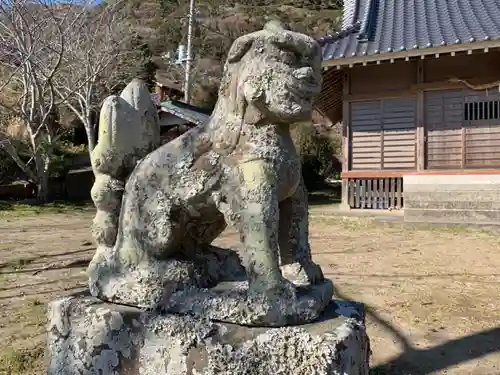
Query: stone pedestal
pixel 87 336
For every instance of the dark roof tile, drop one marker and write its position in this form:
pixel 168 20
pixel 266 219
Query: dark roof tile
pixel 185 111
pixel 385 26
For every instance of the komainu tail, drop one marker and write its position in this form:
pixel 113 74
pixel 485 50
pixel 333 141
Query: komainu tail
pixel 128 130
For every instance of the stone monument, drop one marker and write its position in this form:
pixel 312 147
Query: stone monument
pixel 164 299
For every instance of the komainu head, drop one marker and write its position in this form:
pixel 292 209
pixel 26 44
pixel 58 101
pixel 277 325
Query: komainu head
pixel 272 76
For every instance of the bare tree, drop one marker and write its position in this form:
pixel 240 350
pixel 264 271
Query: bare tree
pixel 98 54
pixel 31 50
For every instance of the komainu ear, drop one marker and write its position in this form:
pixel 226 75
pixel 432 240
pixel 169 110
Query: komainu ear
pixel 239 48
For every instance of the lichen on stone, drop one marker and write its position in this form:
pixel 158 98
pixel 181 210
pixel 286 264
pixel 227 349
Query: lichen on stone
pixel 160 208
pixel 106 339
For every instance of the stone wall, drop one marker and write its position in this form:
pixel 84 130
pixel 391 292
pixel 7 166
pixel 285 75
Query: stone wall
pixel 454 199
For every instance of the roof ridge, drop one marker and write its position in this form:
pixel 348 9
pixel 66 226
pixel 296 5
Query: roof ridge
pixel 350 12
pixel 374 32
pixel 351 23
pixel 369 19
pixel 366 16
pixel 331 38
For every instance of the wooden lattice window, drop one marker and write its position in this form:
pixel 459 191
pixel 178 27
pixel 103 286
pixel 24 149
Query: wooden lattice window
pixel 483 110
pixel 463 129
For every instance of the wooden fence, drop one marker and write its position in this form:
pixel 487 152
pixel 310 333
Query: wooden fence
pixel 375 193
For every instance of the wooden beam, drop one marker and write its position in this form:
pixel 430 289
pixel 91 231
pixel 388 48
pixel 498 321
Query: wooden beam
pixel 420 119
pixel 446 85
pixel 346 152
pixel 463 158
pixel 439 85
pixel 414 88
pixel 443 50
pixel 457 172
pixel 402 173
pixel 380 95
pixel 382 134
pixel 373 174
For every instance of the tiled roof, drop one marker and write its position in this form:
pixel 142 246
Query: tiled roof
pixel 185 111
pixel 387 26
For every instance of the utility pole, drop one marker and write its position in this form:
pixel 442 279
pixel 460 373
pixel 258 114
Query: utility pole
pixel 187 79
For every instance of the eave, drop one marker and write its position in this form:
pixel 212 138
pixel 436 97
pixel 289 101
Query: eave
pixel 409 54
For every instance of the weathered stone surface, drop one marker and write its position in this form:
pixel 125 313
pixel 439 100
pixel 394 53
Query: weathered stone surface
pixel 239 169
pixel 234 302
pixel 87 336
pixel 128 130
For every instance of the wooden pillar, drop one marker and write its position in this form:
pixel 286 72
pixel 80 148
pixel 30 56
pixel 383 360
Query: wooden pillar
pixel 421 138
pixel 346 112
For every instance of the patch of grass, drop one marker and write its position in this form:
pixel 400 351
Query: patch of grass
pixel 17 263
pixel 9 209
pixel 453 228
pixel 346 222
pixel 35 302
pixel 324 198
pixel 36 312
pixel 20 262
pixel 20 361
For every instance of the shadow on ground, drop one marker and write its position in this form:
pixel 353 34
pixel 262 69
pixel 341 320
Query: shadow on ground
pixel 440 357
pixel 414 361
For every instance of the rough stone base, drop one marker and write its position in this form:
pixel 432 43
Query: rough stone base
pixel 87 336
pixel 231 302
pixel 212 285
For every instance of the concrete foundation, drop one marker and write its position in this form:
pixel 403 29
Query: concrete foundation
pixel 87 336
pixel 453 199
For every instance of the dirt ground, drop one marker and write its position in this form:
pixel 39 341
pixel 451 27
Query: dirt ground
pixel 432 296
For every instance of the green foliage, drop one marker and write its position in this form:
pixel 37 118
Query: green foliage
pixel 60 155
pixel 62 149
pixel 318 151
pixel 11 209
pixel 160 25
pixel 7 167
pixel 218 23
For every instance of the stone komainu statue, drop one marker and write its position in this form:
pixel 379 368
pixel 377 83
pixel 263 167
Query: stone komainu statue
pixel 128 130
pixel 159 209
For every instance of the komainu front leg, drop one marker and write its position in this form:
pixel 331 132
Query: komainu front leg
pixel 295 252
pixel 255 213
